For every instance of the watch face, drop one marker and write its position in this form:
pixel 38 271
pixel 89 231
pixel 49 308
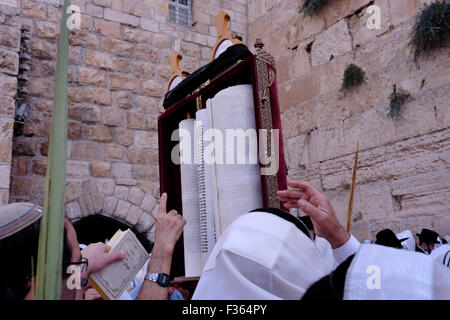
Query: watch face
pixel 160 278
pixel 163 279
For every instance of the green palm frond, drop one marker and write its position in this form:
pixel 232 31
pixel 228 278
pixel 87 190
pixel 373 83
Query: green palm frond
pixel 49 273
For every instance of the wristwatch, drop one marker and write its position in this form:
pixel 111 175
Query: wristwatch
pixel 160 278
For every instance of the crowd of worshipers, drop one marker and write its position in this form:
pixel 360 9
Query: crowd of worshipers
pixel 263 254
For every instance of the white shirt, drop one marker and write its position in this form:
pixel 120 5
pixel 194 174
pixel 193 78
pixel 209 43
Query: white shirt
pixel 346 250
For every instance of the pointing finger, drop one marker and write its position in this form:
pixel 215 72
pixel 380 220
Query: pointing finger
pixel 162 203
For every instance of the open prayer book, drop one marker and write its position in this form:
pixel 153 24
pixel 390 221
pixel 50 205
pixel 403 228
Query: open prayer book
pixel 219 182
pixel 115 278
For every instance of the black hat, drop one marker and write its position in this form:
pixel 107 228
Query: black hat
pixel 388 238
pixel 428 236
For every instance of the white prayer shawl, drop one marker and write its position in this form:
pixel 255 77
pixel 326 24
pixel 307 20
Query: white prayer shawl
pixel 326 252
pixel 442 255
pixel 260 256
pixel 383 273
pixel 410 243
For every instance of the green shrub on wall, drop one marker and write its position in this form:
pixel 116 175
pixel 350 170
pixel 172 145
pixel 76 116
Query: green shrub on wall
pixel 353 76
pixel 431 29
pixel 311 7
pixel 398 97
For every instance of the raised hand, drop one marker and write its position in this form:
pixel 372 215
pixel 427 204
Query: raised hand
pixel 168 225
pixel 318 207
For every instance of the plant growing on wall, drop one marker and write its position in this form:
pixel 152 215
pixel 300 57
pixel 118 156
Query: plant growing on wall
pixel 398 98
pixel 311 7
pixel 353 76
pixel 431 29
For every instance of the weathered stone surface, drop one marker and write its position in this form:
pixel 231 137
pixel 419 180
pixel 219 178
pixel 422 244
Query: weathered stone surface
pixel 47 30
pixel 142 69
pixel 137 155
pixel 85 113
pixel 83 39
pixel 91 76
pixel 118 47
pixel 123 81
pixel 107 28
pixel 422 194
pixel 121 170
pixel 7 107
pixel 5 151
pixel 335 41
pixel 122 209
pixel 33 10
pixel 113 117
pixel 109 205
pixel 147 104
pixel 73 190
pixel 133 215
pixel 94 10
pixel 136 35
pixel 299 90
pixel 146 53
pixel 106 186
pixel 41 87
pixel 46 50
pixel 403 10
pixel 73 210
pixel 100 96
pixel 100 60
pixel 146 221
pixel 136 196
pixel 98 201
pixel 100 169
pixel 145 172
pixel 85 151
pixel 102 3
pixel 146 139
pixel 135 120
pixel 25 146
pixel 114 153
pixel 123 65
pixel 419 155
pixel 151 88
pixel 124 137
pixel 77 169
pixel 122 99
pixel 121 192
pixel 8 85
pixel 39 166
pixel 23 186
pixel 126 182
pixel 9 62
pixel 122 17
pixel 148 203
pixel 100 133
pixel 372 201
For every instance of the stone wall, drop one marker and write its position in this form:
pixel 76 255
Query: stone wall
pixel 403 179
pixel 118 73
pixel 9 66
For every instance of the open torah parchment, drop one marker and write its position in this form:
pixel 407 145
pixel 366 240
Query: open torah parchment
pixel 219 183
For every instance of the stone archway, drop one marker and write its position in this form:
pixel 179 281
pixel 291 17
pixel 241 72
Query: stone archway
pixel 128 204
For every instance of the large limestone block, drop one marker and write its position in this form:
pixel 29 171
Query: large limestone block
pixel 335 41
pixel 371 201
